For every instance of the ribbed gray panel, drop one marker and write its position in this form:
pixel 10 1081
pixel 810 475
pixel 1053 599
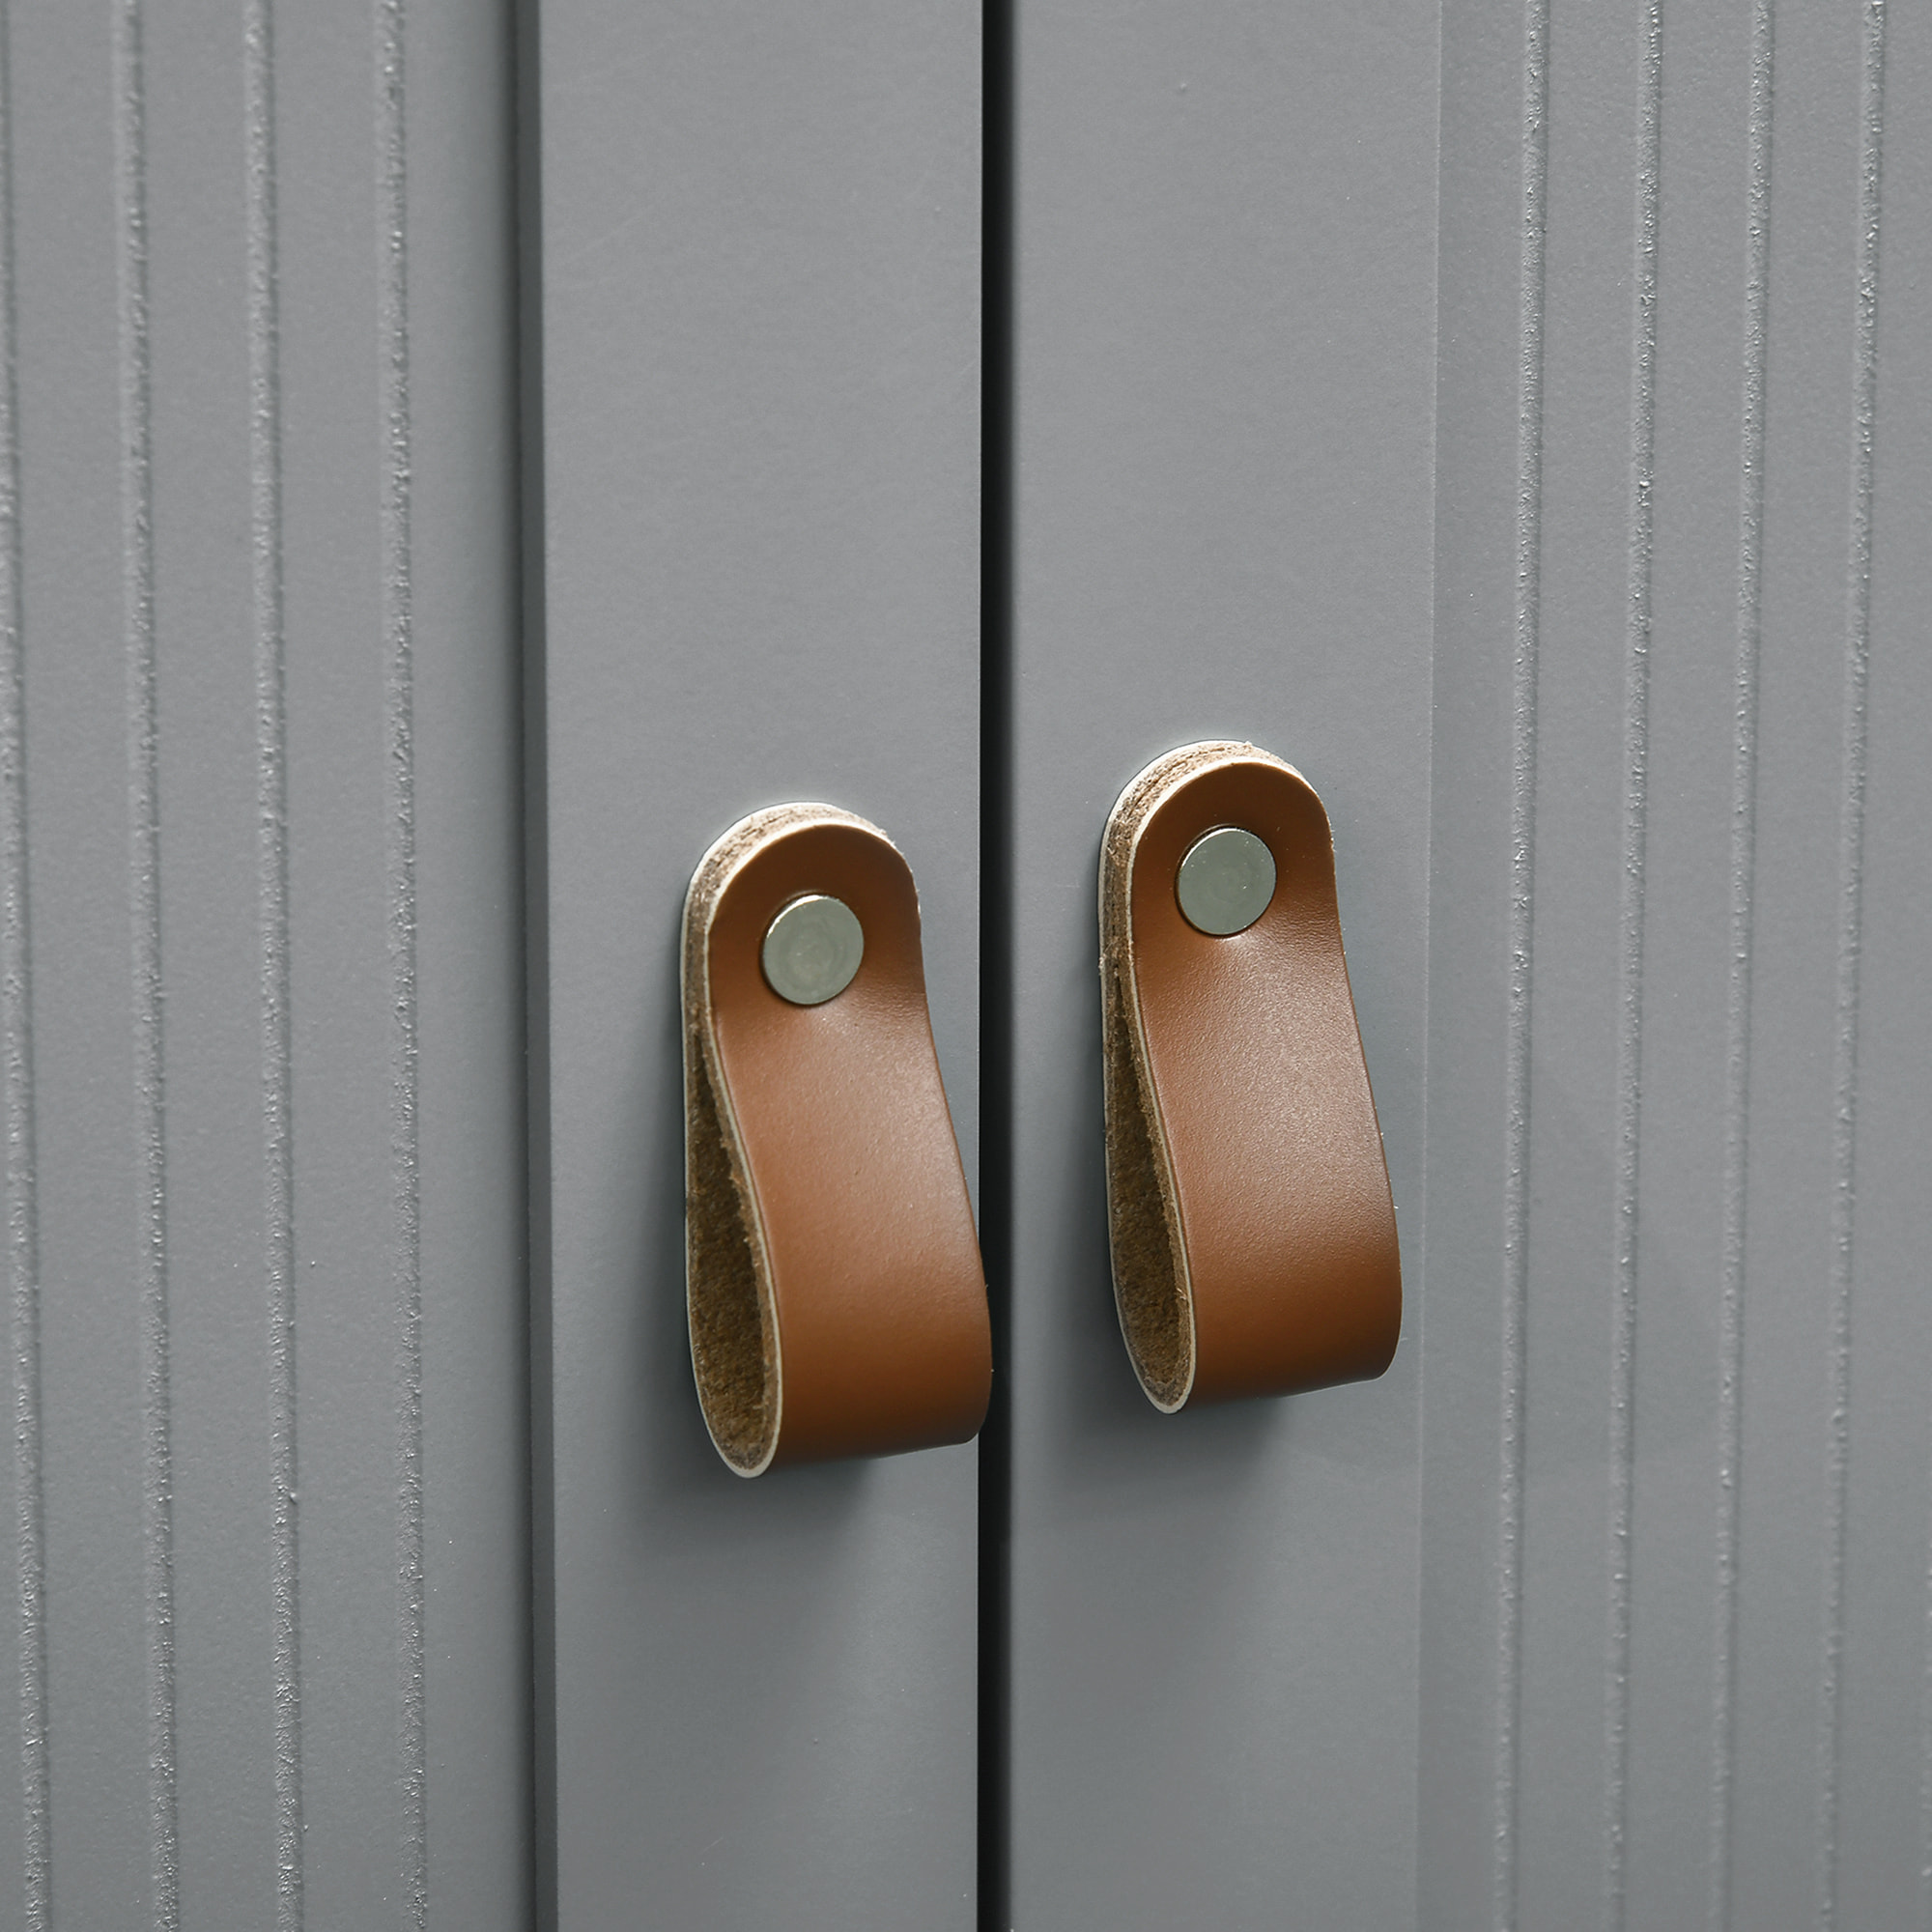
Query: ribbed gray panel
pixel 259 1000
pixel 1676 1445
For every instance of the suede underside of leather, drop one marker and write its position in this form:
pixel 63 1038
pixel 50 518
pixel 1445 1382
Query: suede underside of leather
pixel 1150 1288
pixel 727 1289
pixel 730 1323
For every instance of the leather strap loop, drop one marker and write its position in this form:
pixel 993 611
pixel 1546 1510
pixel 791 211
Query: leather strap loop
pixel 1252 1230
pixel 833 1278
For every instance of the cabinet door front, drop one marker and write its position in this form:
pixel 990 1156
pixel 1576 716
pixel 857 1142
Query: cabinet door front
pixel 755 470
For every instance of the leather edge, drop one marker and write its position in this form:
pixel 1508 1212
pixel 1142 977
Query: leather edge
pixel 727 856
pixel 1121 1011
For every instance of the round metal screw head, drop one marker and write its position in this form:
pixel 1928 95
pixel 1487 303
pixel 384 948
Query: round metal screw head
pixel 812 950
pixel 1225 882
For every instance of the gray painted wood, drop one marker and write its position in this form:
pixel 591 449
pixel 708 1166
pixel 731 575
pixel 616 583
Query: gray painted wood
pixel 261 992
pixel 1344 350
pixel 1663 796
pixel 1674 1552
pixel 758 552
pixel 1223 518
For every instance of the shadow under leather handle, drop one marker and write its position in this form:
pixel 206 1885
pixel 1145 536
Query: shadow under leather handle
pixel 1252 1226
pixel 836 1299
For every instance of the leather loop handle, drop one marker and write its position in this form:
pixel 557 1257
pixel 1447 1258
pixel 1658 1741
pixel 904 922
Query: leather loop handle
pixel 1253 1230
pixel 832 1279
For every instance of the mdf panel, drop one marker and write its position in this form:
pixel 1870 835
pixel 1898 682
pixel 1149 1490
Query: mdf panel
pixel 263 980
pixel 1675 1438
pixel 1222 394
pixel 755 480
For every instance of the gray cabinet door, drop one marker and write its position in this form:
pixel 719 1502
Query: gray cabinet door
pixel 1221 526
pixel 1513 413
pixel 1514 416
pixel 756 438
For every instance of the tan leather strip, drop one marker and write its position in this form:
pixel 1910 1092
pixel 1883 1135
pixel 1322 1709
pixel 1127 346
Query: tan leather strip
pixel 833 1277
pixel 1253 1230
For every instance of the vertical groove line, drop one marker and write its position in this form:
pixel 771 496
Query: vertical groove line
pixel 533 747
pixel 1521 937
pixel 1629 1017
pixel 273 939
pixel 1737 1013
pixel 1851 935
pixel 406 1178
pixel 137 541
pixel 999 250
pixel 21 1171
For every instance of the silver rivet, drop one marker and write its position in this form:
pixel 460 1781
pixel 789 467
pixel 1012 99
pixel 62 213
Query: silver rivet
pixel 1226 881
pixel 812 950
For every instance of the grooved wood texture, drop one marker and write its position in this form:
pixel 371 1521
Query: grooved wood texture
pixel 260 968
pixel 1676 1446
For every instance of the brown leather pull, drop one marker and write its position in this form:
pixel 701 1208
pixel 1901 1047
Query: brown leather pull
pixel 1248 1201
pixel 833 1277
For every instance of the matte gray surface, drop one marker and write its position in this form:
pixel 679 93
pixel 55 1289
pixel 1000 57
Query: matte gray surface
pixel 1675 1499
pixel 261 999
pixel 1226 358
pixel 759 262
